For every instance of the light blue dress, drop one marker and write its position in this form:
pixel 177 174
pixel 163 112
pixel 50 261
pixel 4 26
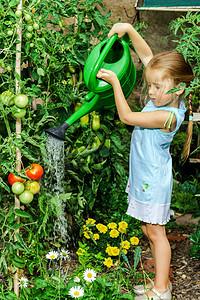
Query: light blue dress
pixel 150 181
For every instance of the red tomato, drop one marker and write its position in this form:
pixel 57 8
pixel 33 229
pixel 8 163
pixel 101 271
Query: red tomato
pixel 34 172
pixel 12 178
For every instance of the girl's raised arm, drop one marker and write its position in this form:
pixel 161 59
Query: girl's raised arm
pixel 142 49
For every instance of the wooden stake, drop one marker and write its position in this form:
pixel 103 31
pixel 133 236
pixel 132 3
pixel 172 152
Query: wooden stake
pixel 18 129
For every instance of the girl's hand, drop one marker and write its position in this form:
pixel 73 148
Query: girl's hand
pixel 120 28
pixel 108 76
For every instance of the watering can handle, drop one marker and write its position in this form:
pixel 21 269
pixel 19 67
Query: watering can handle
pixel 106 49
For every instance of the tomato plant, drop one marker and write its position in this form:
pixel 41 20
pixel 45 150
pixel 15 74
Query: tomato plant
pixel 12 178
pixel 34 171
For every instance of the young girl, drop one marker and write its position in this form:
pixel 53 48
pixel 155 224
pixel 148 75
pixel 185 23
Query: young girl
pixel 150 168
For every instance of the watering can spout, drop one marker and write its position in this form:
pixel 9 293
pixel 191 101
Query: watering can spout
pixel 58 132
pixel 91 104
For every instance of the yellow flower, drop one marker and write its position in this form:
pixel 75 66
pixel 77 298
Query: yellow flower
pixel 123 224
pixel 122 229
pixel 85 227
pixel 112 225
pixel 80 251
pixel 114 233
pixel 125 251
pixel 102 228
pixel 115 251
pixel 125 245
pixel 134 240
pixel 91 221
pixel 9 22
pixel 86 234
pixel 108 262
pixel 96 236
pixel 109 250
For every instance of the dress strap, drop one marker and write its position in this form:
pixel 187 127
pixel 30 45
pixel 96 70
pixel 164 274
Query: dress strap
pixel 169 118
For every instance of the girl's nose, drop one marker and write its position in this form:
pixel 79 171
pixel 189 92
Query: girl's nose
pixel 150 90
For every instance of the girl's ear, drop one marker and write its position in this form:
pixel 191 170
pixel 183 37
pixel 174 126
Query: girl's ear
pixel 181 91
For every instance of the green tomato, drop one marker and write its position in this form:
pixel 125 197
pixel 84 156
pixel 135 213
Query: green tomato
pixel 19 113
pixel 18 13
pixel 32 45
pixel 17 188
pixel 26 197
pixel 28 35
pixel 30 28
pixel 21 100
pixel 36 26
pixel 10 32
pixel 27 17
pixel 7 98
pixel 30 22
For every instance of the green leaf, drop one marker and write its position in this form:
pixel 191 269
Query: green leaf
pixel 17 246
pixel 13 2
pixel 4 185
pixel 125 258
pixel 17 76
pixel 21 213
pixel 137 254
pixel 21 241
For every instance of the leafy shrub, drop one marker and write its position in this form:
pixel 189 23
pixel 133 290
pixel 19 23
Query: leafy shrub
pixel 185 197
pixel 195 238
pixel 186 31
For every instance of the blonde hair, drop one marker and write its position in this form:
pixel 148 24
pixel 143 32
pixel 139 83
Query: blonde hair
pixel 173 66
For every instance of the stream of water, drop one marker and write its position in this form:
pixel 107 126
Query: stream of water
pixel 53 181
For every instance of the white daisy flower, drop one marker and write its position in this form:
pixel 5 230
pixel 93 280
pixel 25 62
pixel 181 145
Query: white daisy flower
pixel 76 292
pixel 89 275
pixel 65 254
pixel 23 282
pixel 52 255
pixel 77 279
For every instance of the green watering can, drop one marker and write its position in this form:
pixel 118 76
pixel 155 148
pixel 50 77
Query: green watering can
pixel 112 54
